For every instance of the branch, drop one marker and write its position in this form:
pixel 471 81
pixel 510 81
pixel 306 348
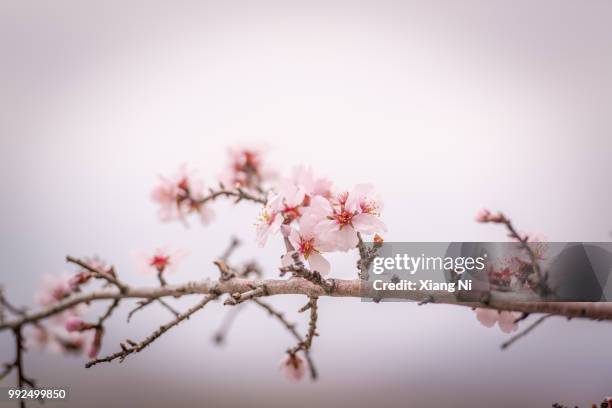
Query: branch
pixel 22 380
pixel 342 288
pixel 516 337
pixel 238 193
pixel 291 327
pixel 541 283
pixel 234 243
pixel 107 276
pixel 144 303
pixel 137 347
pixel 312 324
pixel 367 255
pixel 226 324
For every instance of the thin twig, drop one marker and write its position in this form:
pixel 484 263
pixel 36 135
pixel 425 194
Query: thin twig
pixel 239 194
pixel 281 318
pixel 291 328
pixel 312 324
pixel 6 305
pixel 514 338
pixel 108 276
pixel 108 313
pixel 367 255
pixel 226 324
pixel 542 285
pixel 144 303
pixel 137 347
pixel 234 243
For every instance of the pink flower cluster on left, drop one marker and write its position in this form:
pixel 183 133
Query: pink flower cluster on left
pixel 66 332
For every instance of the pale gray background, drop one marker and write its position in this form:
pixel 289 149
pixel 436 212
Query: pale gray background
pixel 445 105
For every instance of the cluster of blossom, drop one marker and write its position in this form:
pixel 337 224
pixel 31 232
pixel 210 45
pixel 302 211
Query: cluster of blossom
pixel 510 272
pixel 66 331
pixel 507 321
pixel 316 218
pixel 312 215
pixel 183 193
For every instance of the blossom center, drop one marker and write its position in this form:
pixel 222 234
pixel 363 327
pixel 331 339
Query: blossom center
pixel 291 213
pixel 160 261
pixel 306 247
pixel 343 217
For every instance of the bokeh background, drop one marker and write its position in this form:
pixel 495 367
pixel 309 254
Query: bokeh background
pixel 446 106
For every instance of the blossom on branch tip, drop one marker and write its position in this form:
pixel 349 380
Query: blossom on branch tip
pixel 74 323
pixel 484 215
pixel 270 219
pixel 181 195
pixel 311 185
pixel 162 260
pixel 246 168
pixel 293 367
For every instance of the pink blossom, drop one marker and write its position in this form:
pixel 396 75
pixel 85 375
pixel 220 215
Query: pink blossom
pixel 79 279
pixel 290 201
pixel 341 218
pixel 36 337
pixel 57 339
pixel 70 342
pixel 74 323
pixel 53 289
pixel 308 246
pixel 505 320
pixel 311 185
pixel 270 219
pixel 161 260
pixel 482 215
pixel 246 168
pixel 293 367
pixel 180 196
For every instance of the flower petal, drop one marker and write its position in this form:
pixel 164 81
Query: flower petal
pixel 368 224
pixel 318 263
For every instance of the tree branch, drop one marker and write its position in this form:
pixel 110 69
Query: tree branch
pixel 107 276
pixel 137 347
pixel 523 333
pixel 239 194
pixel 342 288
